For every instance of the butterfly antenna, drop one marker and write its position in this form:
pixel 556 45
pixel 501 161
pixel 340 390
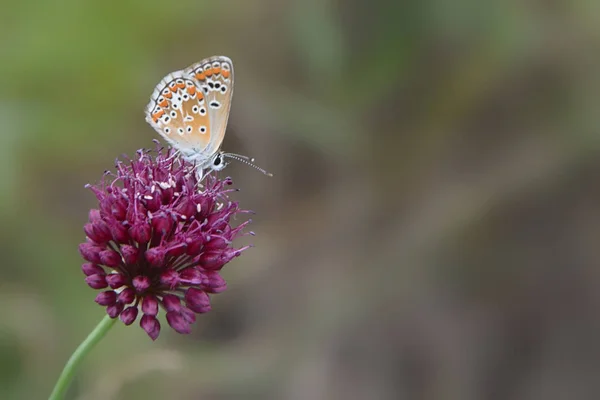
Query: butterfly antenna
pixel 246 160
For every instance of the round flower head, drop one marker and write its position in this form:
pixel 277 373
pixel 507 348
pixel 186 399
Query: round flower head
pixel 158 240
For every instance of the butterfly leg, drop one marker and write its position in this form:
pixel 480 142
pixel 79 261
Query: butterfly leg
pixel 172 156
pixel 199 174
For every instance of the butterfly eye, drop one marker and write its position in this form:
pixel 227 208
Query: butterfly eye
pixel 223 89
pixel 173 114
pixel 215 104
pixel 217 85
pixel 165 91
pixel 180 131
pixel 185 97
pixel 216 64
pixel 189 83
pixel 189 129
pixel 217 163
pixel 203 129
pixel 202 111
pixel 225 66
pixel 172 84
pixel 195 109
pixel 166 119
pixel 167 130
pixel 179 81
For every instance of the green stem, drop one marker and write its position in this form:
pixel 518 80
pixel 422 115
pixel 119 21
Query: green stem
pixel 84 348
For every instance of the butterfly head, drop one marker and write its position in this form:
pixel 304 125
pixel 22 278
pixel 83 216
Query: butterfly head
pixel 217 162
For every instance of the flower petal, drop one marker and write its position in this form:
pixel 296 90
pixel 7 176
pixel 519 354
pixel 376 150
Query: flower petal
pixel 129 315
pixel 178 322
pixel 151 325
pixel 150 305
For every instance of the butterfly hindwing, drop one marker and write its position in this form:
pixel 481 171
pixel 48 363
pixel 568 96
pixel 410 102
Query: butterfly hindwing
pixel 178 112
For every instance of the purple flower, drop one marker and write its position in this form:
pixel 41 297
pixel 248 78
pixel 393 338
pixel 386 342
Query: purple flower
pixel 158 240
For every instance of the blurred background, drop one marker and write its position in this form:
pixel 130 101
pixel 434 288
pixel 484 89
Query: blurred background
pixel 432 230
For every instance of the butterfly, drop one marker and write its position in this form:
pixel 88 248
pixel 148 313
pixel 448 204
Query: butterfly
pixel 190 109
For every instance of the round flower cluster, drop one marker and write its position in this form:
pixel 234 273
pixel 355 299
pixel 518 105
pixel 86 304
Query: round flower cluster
pixel 159 239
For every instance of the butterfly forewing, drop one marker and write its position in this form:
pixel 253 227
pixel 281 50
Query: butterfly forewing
pixel 215 79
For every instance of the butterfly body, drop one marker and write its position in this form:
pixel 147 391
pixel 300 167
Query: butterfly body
pixel 190 108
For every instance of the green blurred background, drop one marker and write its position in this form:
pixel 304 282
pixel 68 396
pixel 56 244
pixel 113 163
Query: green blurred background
pixel 432 230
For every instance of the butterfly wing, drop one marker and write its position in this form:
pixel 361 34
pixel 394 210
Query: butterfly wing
pixel 178 112
pixel 214 77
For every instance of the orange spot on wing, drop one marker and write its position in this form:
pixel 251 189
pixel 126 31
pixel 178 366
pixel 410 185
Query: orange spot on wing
pixel 200 95
pixel 201 76
pixel 225 73
pixel 208 72
pixel 173 89
pixel 157 115
pixel 216 70
pixel 180 85
pixel 163 103
pixel 168 95
pixel 191 90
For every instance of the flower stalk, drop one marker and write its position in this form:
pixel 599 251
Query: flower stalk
pixel 62 385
